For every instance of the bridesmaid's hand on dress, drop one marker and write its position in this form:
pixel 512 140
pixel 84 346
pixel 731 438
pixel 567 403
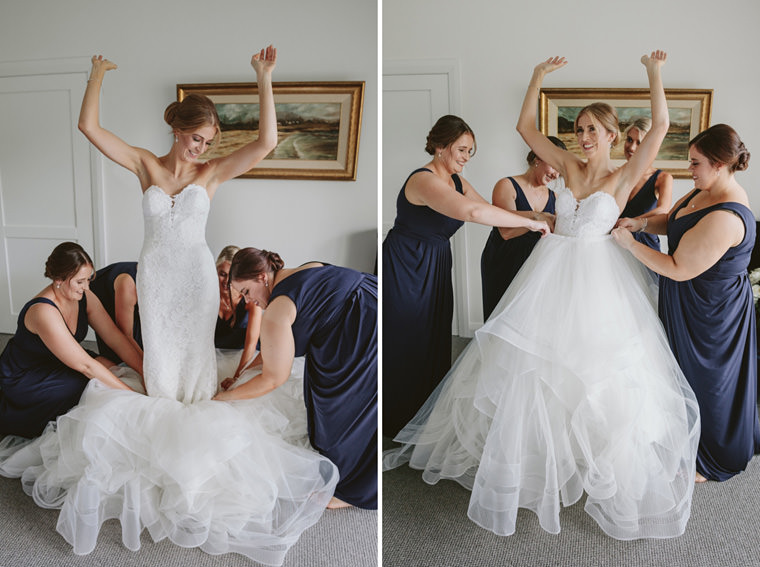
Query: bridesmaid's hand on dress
pixel 539 226
pixel 548 218
pixel 623 237
pixel 228 382
pixel 264 61
pixel 634 225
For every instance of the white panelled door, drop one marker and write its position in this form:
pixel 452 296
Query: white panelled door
pixel 415 95
pixel 45 180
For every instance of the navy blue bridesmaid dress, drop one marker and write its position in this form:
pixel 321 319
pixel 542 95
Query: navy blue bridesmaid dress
pixel 103 287
pixel 710 322
pixel 641 203
pixel 230 333
pixel 418 306
pixel 35 386
pixel 502 259
pixel 336 331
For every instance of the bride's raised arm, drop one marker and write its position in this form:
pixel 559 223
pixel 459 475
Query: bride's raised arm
pixel 634 168
pixel 526 124
pixel 108 143
pixel 243 159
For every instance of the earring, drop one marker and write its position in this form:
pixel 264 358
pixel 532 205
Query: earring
pixel 57 286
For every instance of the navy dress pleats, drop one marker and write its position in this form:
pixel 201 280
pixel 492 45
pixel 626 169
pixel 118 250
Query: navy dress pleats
pixel 502 259
pixel 336 331
pixel 35 386
pixel 710 322
pixel 418 306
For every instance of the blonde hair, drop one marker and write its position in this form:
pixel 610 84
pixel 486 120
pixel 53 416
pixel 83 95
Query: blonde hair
pixel 227 254
pixel 605 115
pixel 641 123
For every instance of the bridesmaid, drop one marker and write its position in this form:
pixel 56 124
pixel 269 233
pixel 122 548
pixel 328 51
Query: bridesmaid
pixel 239 323
pixel 116 288
pixel 418 300
pixel 507 248
pixel 44 369
pixel 706 300
pixel 653 193
pixel 329 315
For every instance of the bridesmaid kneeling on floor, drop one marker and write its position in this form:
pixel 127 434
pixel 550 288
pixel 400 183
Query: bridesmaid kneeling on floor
pixel 329 315
pixel 238 324
pixel 116 288
pixel 44 369
pixel 706 300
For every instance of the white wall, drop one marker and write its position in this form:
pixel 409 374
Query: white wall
pixel 159 43
pixel 710 45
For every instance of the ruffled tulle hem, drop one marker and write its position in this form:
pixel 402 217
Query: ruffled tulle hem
pixel 569 388
pixel 214 475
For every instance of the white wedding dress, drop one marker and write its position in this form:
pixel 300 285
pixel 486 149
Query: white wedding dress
pixel 569 387
pixel 225 477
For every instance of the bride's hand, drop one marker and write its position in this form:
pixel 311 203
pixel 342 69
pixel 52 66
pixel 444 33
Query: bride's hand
pixel 100 66
pixel 551 64
pixel 655 60
pixel 264 61
pixel 623 237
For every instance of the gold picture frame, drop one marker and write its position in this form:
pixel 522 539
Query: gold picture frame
pixel 689 111
pixel 318 125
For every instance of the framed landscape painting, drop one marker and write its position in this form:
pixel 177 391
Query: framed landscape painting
pixel 688 110
pixel 318 126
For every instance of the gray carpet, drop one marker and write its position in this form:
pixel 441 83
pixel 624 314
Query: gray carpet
pixel 427 526
pixel 341 538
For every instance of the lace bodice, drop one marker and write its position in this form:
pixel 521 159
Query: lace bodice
pixel 595 215
pixel 178 218
pixel 178 293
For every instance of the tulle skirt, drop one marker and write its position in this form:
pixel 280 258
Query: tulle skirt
pixel 569 387
pixel 225 477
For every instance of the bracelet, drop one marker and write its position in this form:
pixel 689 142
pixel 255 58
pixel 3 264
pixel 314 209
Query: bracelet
pixel 643 226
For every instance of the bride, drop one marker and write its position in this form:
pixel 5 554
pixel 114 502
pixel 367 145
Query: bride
pixel 202 473
pixel 570 386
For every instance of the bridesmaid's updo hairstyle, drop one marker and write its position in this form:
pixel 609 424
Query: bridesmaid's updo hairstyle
pixel 250 263
pixel 532 157
pixel 605 114
pixel 195 111
pixel 446 131
pixel 65 261
pixel 721 144
pixel 227 254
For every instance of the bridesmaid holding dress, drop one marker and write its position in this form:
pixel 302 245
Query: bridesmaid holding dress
pixel 507 248
pixel 653 193
pixel 328 314
pixel 418 299
pixel 706 300
pixel 44 369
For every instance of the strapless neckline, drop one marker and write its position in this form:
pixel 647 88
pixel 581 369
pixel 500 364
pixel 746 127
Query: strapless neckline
pixel 178 193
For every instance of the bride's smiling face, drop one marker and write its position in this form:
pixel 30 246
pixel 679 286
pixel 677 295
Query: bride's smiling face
pixel 192 145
